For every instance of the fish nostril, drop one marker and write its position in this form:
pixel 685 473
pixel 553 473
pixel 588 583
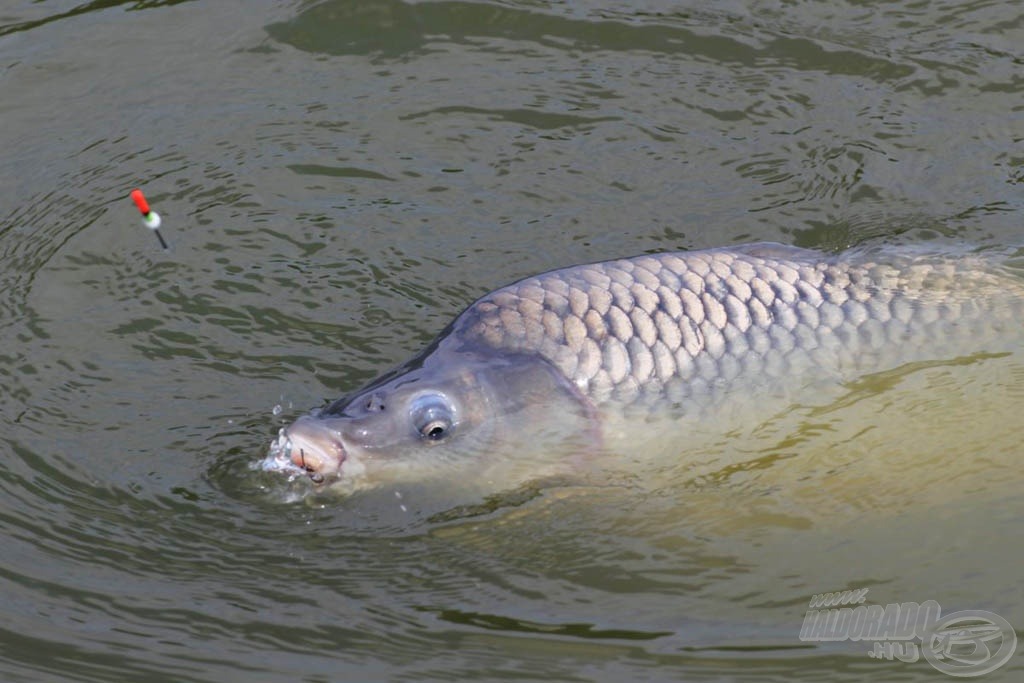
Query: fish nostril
pixel 375 403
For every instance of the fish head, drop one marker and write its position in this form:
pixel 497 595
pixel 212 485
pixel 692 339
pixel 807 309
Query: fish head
pixel 450 413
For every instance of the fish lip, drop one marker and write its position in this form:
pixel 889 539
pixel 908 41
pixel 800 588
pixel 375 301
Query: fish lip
pixel 312 448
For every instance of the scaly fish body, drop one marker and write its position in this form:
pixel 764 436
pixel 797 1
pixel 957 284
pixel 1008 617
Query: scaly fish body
pixel 545 360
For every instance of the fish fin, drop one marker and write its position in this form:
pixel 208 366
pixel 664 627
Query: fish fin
pixel 775 250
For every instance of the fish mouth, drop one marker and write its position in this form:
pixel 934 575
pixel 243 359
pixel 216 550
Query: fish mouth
pixel 311 447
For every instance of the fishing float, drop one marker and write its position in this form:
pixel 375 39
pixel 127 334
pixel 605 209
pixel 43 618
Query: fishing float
pixel 150 218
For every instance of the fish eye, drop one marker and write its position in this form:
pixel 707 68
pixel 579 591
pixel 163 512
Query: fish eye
pixel 432 416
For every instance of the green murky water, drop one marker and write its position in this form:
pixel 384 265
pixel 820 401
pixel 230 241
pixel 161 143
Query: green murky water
pixel 337 180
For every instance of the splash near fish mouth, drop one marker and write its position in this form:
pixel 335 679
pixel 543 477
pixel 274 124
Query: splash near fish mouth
pixel 279 459
pixel 533 378
pixel 289 458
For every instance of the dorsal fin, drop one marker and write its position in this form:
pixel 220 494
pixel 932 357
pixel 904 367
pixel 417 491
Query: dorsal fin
pixel 774 250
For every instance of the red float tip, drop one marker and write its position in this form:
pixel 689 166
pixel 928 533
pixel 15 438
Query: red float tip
pixel 140 201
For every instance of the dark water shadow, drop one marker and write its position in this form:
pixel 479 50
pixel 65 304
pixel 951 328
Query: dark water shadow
pixel 395 30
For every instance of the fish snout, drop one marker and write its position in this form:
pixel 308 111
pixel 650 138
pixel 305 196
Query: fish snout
pixel 313 447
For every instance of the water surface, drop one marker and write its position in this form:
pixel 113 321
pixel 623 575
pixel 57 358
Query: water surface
pixel 337 180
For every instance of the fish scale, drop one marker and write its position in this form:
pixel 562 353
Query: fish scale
pixel 689 323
